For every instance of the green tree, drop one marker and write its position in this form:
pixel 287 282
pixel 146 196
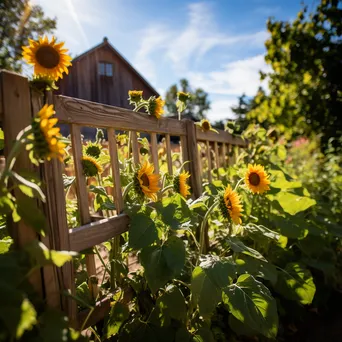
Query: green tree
pixel 305 84
pixel 197 106
pixel 20 21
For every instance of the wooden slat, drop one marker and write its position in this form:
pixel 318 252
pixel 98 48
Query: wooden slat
pixel 114 160
pixel 86 113
pixel 82 194
pixel 195 179
pixel 154 150
pixel 16 115
pixel 217 156
pixel 222 137
pixel 224 155
pixel 200 166
pixel 168 154
pixel 100 311
pixel 95 233
pixel 209 161
pixel 135 147
pixel 184 151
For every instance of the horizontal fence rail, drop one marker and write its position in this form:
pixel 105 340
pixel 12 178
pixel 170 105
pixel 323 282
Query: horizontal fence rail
pixel 79 113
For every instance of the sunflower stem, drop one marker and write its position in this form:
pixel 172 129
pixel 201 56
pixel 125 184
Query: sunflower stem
pixel 126 191
pixel 202 231
pixel 237 184
pixel 169 187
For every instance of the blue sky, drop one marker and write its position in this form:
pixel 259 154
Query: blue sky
pixel 218 45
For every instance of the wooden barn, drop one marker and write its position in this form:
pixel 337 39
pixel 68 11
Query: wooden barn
pixel 103 75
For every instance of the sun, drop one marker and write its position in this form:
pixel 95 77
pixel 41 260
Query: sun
pixel 48 57
pixel 257 179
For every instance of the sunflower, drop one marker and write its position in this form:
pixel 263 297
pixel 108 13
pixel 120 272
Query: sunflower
pixel 146 182
pixel 155 106
pixel 46 137
pixel 135 96
pixel 180 184
pixel 206 126
pixel 257 179
pixel 48 58
pixel 230 205
pixel 93 150
pixel 91 167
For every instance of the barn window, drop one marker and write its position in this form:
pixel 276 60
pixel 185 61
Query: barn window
pixel 105 69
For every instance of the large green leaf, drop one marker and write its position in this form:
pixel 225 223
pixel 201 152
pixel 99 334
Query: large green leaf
pixel 53 326
pixel 257 268
pixel 172 301
pixel 291 203
pixel 295 282
pixel 118 314
pixel 142 231
pixel 43 256
pixel 239 247
pixel 279 181
pixel 163 263
pixel 252 303
pixel 28 210
pixel 208 280
pixel 5 245
pixel 259 232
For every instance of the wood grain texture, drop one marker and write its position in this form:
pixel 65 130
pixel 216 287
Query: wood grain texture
pixel 224 155
pixel 221 137
pixel 168 154
pixel 135 147
pixel 101 310
pixel 154 152
pixel 208 150
pixel 184 151
pixel 114 161
pixel 195 179
pixel 217 155
pixel 82 194
pixel 95 233
pixel 16 115
pixel 85 113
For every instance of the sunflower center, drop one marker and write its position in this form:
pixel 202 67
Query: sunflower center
pixel 254 179
pixel 145 180
pixel 206 125
pixel 47 57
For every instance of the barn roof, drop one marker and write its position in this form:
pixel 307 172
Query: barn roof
pixel 118 54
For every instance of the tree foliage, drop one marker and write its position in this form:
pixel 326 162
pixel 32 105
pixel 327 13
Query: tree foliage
pixel 305 84
pixel 20 21
pixel 197 106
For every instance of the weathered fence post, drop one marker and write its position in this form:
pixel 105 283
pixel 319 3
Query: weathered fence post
pixel 15 110
pixel 196 181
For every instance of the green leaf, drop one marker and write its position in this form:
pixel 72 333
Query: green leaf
pixel 28 317
pixel 118 314
pixel 5 245
pixel 163 263
pixel 259 232
pixel 25 185
pixel 295 282
pixel 43 256
pixel 53 326
pixel 142 231
pixel 291 227
pixel 281 152
pixel 68 181
pixel 84 295
pixel 239 247
pixel 257 268
pixel 291 203
pixel 6 205
pixel 279 181
pixel 252 303
pixel 172 301
pixel 28 210
pixel 208 280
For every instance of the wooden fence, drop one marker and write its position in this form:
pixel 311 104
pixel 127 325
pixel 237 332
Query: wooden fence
pixel 18 104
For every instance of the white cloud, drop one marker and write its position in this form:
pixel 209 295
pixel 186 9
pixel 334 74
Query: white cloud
pixel 185 46
pixel 234 78
pixel 221 109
